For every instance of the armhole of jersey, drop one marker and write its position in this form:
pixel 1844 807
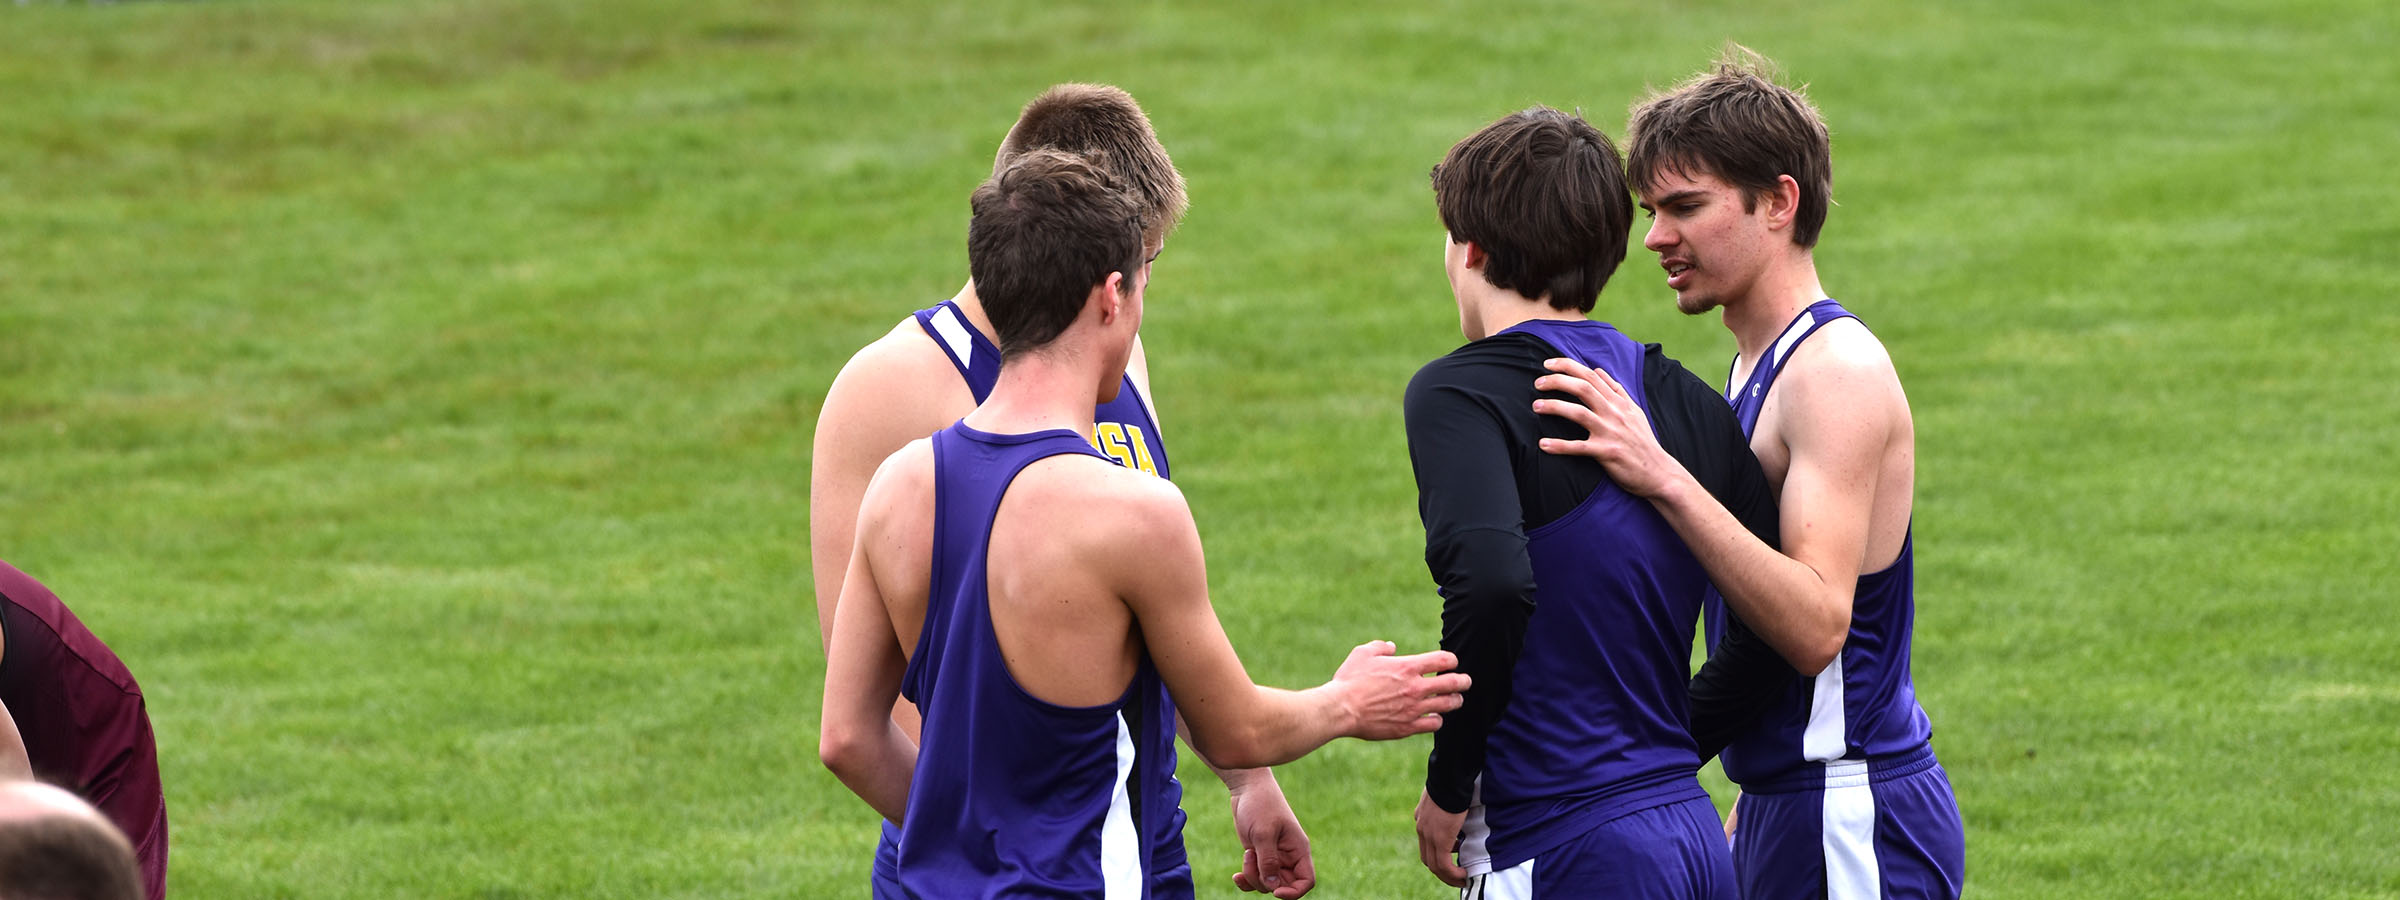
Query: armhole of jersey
pixel 949 331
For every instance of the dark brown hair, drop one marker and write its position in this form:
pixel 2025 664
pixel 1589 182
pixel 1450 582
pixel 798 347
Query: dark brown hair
pixel 1045 230
pixel 1736 123
pixel 1103 124
pixel 1542 193
pixel 66 857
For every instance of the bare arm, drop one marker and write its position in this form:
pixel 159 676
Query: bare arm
pixel 1236 723
pixel 858 739
pixel 879 402
pixel 1275 850
pixel 1797 599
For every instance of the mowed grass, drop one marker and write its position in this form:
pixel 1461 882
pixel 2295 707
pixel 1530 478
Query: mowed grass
pixel 417 395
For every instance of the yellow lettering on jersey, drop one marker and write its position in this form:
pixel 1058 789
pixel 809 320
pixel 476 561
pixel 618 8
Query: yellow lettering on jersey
pixel 1127 449
pixel 1141 449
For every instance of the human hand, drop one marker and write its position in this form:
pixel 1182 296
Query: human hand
pixel 1387 697
pixel 1620 435
pixel 1437 841
pixel 1275 853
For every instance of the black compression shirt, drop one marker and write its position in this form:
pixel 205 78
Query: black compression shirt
pixel 1473 434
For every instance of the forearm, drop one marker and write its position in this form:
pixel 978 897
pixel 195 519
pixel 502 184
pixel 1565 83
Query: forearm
pixel 1787 602
pixel 875 761
pixel 1236 780
pixel 1278 726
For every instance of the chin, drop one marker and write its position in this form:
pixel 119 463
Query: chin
pixel 1694 304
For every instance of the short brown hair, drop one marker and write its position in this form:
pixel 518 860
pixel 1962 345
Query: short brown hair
pixel 1542 193
pixel 1103 124
pixel 66 857
pixel 1045 230
pixel 1737 123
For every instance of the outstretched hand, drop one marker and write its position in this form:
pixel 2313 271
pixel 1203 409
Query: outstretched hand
pixel 1389 697
pixel 1621 438
pixel 1275 852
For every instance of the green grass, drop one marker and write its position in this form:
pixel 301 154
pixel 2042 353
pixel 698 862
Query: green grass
pixel 417 396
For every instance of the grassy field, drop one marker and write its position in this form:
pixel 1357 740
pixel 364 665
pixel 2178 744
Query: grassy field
pixel 417 396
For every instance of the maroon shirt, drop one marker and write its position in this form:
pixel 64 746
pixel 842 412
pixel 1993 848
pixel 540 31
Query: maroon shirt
pixel 82 716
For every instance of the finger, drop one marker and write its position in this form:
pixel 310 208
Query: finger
pixel 1425 724
pixel 1430 662
pixel 1247 879
pixel 1304 876
pixel 1267 865
pixel 1450 873
pixel 1570 367
pixel 1581 389
pixel 1374 648
pixel 1452 683
pixel 1579 413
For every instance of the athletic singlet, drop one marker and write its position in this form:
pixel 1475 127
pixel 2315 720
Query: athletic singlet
pixel 1598 725
pixel 1014 796
pixel 1122 428
pixel 1863 706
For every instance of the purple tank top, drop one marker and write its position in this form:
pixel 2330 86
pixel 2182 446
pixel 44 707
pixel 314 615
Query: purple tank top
pixel 1014 796
pixel 1598 725
pixel 1863 707
pixel 1122 428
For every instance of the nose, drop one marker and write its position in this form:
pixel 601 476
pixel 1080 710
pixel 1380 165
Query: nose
pixel 1659 237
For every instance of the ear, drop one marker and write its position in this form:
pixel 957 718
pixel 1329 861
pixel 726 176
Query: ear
pixel 1783 202
pixel 1110 295
pixel 1476 258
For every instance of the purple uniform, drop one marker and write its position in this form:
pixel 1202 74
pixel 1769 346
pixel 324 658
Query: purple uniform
pixel 1842 797
pixel 86 728
pixel 1014 796
pixel 1125 432
pixel 1588 775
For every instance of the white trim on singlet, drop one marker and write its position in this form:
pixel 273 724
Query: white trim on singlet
pixel 1120 844
pixel 1792 335
pixel 1851 870
pixel 1783 346
pixel 1827 737
pixel 954 333
pixel 1475 836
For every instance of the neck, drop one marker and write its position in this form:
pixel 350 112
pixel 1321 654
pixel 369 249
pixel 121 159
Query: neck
pixel 1054 388
pixel 1760 315
pixel 971 306
pixel 1497 310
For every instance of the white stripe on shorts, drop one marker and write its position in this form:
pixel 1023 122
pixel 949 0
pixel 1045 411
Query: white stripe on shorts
pixel 1851 872
pixel 1515 883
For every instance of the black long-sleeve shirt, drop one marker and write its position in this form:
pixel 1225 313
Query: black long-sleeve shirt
pixel 1483 482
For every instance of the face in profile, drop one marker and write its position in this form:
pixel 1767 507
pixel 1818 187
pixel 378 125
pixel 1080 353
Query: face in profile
pixel 1710 246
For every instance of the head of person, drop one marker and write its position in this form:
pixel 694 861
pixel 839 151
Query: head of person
pixel 1534 203
pixel 1728 141
pixel 1053 240
pixel 54 846
pixel 1104 125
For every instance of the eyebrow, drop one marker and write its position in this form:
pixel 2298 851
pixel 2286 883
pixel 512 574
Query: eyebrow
pixel 1672 198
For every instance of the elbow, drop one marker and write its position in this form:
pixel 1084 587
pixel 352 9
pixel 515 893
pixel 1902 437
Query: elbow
pixel 1819 652
pixel 1246 748
pixel 840 749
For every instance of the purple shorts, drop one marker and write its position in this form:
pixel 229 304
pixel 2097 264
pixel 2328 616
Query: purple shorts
pixel 1872 830
pixel 1674 851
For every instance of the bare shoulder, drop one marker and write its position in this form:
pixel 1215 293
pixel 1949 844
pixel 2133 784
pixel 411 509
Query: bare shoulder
pixel 902 483
pixel 1108 503
pixel 894 363
pixel 1842 378
pixel 897 388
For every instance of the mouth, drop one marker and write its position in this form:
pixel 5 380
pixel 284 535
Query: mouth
pixel 1678 273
